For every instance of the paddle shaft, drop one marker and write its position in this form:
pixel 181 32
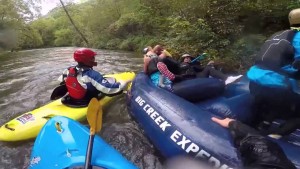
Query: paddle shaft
pixel 89 152
pixel 198 58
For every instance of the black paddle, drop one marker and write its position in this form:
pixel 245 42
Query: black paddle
pixel 59 92
pixel 94 117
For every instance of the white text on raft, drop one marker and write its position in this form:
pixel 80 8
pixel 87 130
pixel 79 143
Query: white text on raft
pixel 177 136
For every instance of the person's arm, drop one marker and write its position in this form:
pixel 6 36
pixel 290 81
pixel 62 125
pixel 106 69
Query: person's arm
pixel 103 85
pixel 237 129
pixel 161 81
pixel 197 68
pixel 63 77
pixel 296 46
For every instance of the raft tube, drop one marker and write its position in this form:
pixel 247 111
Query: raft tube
pixel 179 127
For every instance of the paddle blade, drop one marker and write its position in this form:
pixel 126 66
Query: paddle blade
pixel 59 92
pixel 94 115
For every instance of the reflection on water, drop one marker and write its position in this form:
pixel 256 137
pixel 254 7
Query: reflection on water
pixel 27 79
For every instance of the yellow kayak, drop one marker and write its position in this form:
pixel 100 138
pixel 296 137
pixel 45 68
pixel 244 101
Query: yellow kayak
pixel 28 125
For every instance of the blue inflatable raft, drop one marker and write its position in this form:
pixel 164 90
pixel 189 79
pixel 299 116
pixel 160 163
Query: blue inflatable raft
pixel 179 127
pixel 66 149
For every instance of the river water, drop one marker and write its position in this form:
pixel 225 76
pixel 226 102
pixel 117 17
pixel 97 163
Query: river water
pixel 27 79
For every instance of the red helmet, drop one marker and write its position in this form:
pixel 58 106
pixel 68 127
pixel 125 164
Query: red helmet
pixel 85 56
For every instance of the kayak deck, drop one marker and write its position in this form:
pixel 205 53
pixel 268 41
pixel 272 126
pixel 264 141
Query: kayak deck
pixel 69 148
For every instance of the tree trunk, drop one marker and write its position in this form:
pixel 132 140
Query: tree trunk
pixel 71 20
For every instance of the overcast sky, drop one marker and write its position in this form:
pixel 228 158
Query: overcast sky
pixel 47 5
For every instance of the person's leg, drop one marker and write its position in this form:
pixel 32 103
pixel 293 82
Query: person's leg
pixel 209 71
pixel 260 107
pixel 215 73
pixel 271 104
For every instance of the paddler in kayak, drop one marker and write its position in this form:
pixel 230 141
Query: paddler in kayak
pixel 84 83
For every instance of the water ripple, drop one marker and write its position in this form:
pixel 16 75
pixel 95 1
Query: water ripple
pixel 27 79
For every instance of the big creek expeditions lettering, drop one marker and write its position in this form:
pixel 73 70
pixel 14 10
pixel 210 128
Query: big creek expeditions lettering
pixel 177 137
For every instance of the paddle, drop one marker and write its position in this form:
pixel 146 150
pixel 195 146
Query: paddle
pixel 94 117
pixel 59 92
pixel 199 57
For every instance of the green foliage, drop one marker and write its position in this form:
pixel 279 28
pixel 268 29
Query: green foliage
pixel 13 17
pixel 136 43
pixel 242 49
pixel 113 43
pixel 127 24
pixel 63 37
pixel 46 28
pixel 229 31
pixel 223 17
pixel 183 36
pixel 29 38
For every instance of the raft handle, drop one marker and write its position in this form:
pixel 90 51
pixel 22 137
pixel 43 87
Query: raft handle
pixel 58 127
pixel 48 116
pixel 9 128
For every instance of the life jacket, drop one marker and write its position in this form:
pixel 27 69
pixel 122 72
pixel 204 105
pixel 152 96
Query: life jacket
pixel 76 91
pixel 186 68
pixel 277 51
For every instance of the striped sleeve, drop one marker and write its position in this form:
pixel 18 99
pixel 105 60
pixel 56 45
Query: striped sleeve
pixel 163 69
pixel 102 84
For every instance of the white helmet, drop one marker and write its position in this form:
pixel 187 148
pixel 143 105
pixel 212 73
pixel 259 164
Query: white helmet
pixel 186 55
pixel 294 17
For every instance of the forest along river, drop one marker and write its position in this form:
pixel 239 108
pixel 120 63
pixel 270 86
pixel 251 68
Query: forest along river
pixel 27 79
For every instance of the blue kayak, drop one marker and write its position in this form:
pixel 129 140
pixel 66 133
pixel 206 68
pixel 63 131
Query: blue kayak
pixel 182 125
pixel 66 149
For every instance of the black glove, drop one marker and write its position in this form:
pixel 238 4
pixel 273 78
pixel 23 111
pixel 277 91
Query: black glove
pixel 296 64
pixel 259 151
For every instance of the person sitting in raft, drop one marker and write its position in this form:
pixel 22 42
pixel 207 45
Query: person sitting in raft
pixel 251 144
pixel 198 71
pixel 158 50
pixel 160 74
pixel 84 83
pixel 161 67
pixel 275 75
